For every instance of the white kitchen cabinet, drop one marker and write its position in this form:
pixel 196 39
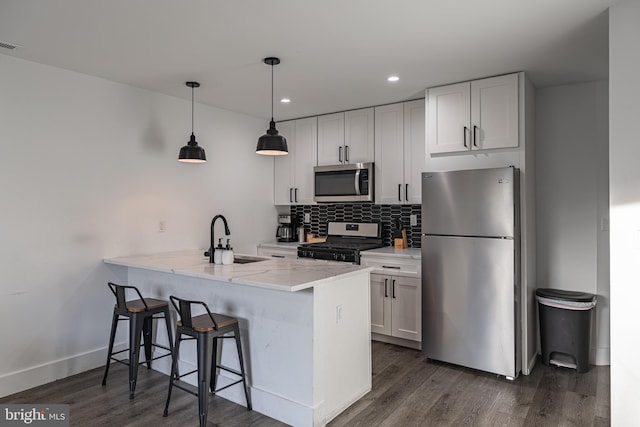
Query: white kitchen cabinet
pixel 346 137
pixel 396 295
pixel 293 173
pixel 288 251
pixel 396 306
pixel 477 115
pixel 399 152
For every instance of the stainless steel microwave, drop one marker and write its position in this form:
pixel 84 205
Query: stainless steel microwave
pixel 344 183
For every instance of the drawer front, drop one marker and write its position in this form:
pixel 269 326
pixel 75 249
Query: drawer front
pixel 396 266
pixel 278 253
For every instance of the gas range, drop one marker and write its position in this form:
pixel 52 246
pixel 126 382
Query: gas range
pixel 345 241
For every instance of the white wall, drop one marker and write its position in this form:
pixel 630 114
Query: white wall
pixel 88 168
pixel 624 187
pixel 572 197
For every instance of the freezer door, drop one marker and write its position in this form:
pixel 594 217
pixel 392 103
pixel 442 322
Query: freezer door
pixel 469 302
pixel 479 202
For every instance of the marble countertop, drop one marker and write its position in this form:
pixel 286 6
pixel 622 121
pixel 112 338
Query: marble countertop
pixel 390 251
pixel 280 274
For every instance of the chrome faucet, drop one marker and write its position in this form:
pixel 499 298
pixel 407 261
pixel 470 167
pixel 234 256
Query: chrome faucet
pixel 226 231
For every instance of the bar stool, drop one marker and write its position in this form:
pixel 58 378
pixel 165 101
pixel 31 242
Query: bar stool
pixel 140 314
pixel 206 329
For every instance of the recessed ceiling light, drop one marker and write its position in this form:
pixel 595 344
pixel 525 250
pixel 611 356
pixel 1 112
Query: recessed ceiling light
pixel 285 100
pixel 393 79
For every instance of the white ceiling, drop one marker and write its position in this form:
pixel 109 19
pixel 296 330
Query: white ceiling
pixel 336 54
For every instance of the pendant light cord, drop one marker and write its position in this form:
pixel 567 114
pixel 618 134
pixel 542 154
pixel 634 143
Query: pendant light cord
pixel 192 110
pixel 272 92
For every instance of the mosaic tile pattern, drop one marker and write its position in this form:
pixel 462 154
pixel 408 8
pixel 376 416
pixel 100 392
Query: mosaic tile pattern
pixel 321 214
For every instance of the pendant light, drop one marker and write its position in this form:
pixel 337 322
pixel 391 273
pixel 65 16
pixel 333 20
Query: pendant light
pixel 192 152
pixel 272 144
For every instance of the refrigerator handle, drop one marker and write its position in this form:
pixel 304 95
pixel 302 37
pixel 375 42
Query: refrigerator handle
pixel 386 295
pixel 393 288
pixel 464 137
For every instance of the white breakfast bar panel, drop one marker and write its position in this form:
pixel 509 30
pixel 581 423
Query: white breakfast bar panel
pixel 305 327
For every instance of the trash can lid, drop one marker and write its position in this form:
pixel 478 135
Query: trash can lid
pixel 563 295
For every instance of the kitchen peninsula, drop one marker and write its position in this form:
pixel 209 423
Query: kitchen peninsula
pixel 305 326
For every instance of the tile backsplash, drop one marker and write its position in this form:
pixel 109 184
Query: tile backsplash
pixel 361 212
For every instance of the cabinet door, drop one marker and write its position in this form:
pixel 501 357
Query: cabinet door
pixel 414 150
pixel 494 112
pixel 380 304
pixel 389 154
pixel 448 109
pixel 283 166
pixel 406 308
pixel 331 139
pixel 306 143
pixel 358 136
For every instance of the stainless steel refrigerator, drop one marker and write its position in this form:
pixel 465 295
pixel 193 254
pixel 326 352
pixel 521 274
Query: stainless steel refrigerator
pixel 471 269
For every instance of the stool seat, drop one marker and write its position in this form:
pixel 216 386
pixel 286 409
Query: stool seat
pixel 138 306
pixel 140 313
pixel 203 322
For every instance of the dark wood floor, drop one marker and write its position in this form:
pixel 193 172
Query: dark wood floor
pixel 407 391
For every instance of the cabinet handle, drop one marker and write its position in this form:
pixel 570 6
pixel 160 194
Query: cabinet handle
pixel 395 267
pixel 393 288
pixel 346 154
pixel 386 295
pixel 406 192
pixel 475 135
pixel 340 154
pixel 277 256
pixel 295 192
pixel 399 189
pixel 290 195
pixel 464 137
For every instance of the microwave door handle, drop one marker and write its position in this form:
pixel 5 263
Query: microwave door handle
pixel 357 182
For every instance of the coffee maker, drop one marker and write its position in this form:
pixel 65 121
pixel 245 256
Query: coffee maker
pixel 286 231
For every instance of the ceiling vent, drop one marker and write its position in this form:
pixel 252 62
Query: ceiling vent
pixel 6 45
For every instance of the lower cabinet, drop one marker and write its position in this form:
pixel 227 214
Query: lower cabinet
pixel 396 308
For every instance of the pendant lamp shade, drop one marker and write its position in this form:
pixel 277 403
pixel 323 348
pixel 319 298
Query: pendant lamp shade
pixel 271 143
pixel 192 152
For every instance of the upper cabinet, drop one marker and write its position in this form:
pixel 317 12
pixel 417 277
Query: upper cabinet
pixel 477 115
pixel 399 152
pixel 346 137
pixel 293 173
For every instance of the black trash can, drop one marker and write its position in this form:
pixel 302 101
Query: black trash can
pixel 565 327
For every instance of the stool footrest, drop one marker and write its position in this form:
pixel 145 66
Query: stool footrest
pixel 227 386
pixel 186 387
pixel 125 361
pixel 188 373
pixel 233 371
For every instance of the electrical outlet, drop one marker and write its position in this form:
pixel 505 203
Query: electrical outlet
pixel 307 218
pixel 339 313
pixel 162 226
pixel 413 220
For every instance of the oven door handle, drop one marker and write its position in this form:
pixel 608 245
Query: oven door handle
pixel 357 181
